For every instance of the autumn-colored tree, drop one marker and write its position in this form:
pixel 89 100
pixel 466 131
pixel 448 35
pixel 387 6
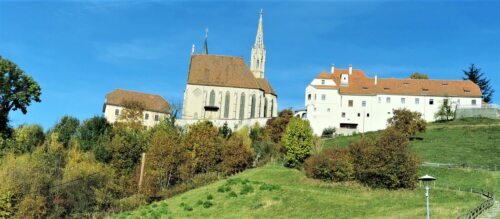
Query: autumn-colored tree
pixel 26 138
pixel 66 128
pixel 164 157
pixel 333 164
pixel 203 143
pixel 126 148
pixel 407 122
pixel 132 115
pixel 298 140
pixel 237 154
pixel 275 127
pixel 389 163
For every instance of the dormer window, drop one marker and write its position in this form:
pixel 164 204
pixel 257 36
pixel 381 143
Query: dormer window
pixel 386 88
pixel 444 84
pixel 365 88
pixel 406 83
pixel 467 91
pixel 425 89
pixel 322 82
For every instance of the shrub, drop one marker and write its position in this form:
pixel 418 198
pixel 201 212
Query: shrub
pixel 328 132
pixel 298 141
pixel 332 165
pixel 389 163
pixel 407 122
pixel 204 144
pixel 275 127
pixel 26 138
pixel 236 155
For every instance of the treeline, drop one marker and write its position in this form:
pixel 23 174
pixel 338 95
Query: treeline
pixel 93 168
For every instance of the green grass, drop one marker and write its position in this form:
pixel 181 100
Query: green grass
pixel 273 191
pixel 295 196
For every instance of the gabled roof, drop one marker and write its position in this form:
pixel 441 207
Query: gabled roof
pixel 359 84
pixel 224 71
pixel 151 102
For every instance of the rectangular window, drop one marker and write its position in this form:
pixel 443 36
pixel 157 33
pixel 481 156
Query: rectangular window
pixel 309 97
pixel 359 114
pixel 445 101
pixel 322 81
pixel 363 103
pixel 379 99
pixel 350 103
pixel 431 101
pixel 117 112
pixel 458 101
pixel 146 116
pixel 417 100
pixel 368 115
pixel 157 117
pixel 343 115
pixel 403 100
pixel 328 110
pixel 388 100
pixel 473 102
pixel 323 96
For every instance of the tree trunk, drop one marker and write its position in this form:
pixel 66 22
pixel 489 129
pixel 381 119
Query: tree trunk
pixel 4 122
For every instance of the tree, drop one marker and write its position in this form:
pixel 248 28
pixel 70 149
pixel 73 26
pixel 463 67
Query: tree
pixel 131 115
pixel 164 157
pixel 225 131
pixel 418 75
pixel 17 91
pixel 388 163
pixel 408 122
pixel 26 138
pixel 66 127
pixel 475 75
pixel 277 125
pixel 203 143
pixel 92 131
pixel 237 154
pixel 445 112
pixel 298 140
pixel 126 147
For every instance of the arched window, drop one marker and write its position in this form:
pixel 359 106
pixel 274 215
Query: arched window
pixel 226 105
pixel 252 109
pixel 212 98
pixel 272 108
pixel 242 106
pixel 265 107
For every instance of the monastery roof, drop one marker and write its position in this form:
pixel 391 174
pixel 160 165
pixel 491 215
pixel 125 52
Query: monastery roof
pixel 224 71
pixel 151 102
pixel 359 84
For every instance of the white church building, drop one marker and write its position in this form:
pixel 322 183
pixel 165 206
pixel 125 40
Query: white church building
pixel 223 89
pixel 348 100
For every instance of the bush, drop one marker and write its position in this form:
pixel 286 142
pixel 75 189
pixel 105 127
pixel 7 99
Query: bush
pixel 407 122
pixel 92 131
pixel 328 132
pixel 389 163
pixel 298 140
pixel 204 144
pixel 332 165
pixel 26 138
pixel 236 155
pixel 276 126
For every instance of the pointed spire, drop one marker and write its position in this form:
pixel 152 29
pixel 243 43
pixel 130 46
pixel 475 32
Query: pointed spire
pixel 258 57
pixel 192 50
pixel 259 39
pixel 204 50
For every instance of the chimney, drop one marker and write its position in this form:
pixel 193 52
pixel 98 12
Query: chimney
pixel 375 79
pixel 350 69
pixel 332 70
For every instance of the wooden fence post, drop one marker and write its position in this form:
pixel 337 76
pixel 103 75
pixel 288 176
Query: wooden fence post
pixel 143 161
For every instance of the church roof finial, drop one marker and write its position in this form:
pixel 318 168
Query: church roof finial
pixel 204 50
pixel 259 39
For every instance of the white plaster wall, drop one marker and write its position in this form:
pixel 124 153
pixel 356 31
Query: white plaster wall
pixel 196 97
pixel 328 113
pixel 109 114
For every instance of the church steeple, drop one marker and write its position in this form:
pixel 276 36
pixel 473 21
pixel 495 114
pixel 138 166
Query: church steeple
pixel 204 50
pixel 258 57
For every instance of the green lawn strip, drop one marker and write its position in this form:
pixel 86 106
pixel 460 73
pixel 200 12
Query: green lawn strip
pixel 300 197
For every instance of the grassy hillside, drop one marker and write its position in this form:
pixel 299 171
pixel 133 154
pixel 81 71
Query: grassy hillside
pixel 466 141
pixel 273 191
pixel 278 192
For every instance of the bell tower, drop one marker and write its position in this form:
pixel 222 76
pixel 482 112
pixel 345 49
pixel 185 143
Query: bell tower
pixel 258 57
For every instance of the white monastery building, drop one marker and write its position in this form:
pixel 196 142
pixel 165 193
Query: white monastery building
pixel 346 99
pixel 156 108
pixel 223 89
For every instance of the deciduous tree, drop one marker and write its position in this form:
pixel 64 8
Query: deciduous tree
pixel 17 91
pixel 66 129
pixel 408 122
pixel 298 140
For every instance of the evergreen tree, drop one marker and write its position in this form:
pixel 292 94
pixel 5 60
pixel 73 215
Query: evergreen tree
pixel 475 75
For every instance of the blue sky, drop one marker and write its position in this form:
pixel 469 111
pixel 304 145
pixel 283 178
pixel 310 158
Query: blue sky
pixel 79 51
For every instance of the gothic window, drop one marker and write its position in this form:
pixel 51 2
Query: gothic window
pixel 272 108
pixel 265 107
pixel 212 98
pixel 252 107
pixel 226 105
pixel 242 106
